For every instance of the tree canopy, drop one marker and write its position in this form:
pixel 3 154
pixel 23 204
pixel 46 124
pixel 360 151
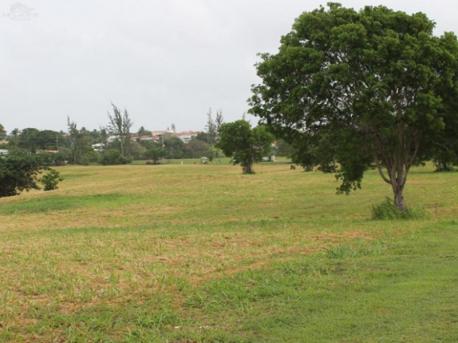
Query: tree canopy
pixel 244 144
pixel 2 132
pixel 355 89
pixel 120 125
pixel 18 172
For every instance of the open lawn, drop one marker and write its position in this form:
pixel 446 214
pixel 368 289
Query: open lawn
pixel 193 253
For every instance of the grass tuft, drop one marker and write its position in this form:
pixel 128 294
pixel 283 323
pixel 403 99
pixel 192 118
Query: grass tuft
pixel 356 249
pixel 387 210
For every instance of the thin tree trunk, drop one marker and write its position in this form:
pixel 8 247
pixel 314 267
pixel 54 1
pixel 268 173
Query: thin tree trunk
pixel 121 141
pixel 399 198
pixel 248 169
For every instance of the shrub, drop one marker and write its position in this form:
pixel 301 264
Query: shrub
pixel 387 210
pixel 18 172
pixel 112 157
pixel 53 159
pixel 51 179
pixel 154 154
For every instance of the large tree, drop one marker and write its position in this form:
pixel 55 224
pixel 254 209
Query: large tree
pixel 244 144
pixel 372 86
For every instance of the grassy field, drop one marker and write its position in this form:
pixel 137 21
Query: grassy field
pixel 193 253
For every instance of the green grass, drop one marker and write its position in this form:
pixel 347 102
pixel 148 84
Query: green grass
pixel 193 253
pixel 60 203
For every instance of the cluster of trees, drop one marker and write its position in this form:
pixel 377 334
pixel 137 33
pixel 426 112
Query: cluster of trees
pixel 172 147
pixel 115 144
pixel 347 91
pixel 58 146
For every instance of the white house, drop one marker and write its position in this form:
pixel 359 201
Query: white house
pixel 186 136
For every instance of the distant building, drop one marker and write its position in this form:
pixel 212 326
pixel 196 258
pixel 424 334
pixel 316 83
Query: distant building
pixel 186 136
pixel 144 138
pixel 159 136
pixel 99 147
pixel 112 139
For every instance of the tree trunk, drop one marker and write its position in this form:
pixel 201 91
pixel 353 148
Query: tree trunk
pixel 121 142
pixel 399 198
pixel 248 169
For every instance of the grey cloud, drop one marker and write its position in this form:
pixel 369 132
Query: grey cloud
pixel 165 61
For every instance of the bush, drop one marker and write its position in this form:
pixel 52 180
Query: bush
pixel 53 159
pixel 154 153
pixel 387 210
pixel 18 172
pixel 112 157
pixel 51 179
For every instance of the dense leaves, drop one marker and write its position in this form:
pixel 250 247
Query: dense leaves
pixel 2 132
pixel 51 179
pixel 113 157
pixel 350 89
pixel 18 172
pixel 244 144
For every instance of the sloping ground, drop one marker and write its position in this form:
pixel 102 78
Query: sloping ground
pixel 202 253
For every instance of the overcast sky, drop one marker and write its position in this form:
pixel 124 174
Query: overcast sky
pixel 166 61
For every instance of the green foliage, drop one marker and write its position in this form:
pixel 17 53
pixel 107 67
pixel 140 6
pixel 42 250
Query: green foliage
pixel 136 150
pixel 154 152
pixel 32 139
pixel 29 139
pixel 51 179
pixel 79 144
pixel 350 89
pixel 55 159
pixel 283 148
pixel 444 149
pixel 196 148
pixel 244 144
pixel 174 147
pixel 120 125
pixel 113 157
pixel 387 210
pixel 2 132
pixel 18 172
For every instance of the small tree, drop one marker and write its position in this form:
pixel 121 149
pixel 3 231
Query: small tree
pixel 113 157
pixel 2 132
pixel 196 148
pixel 212 130
pixel 51 179
pixel 373 87
pixel 18 172
pixel 79 142
pixel 219 121
pixel 244 144
pixel 154 152
pixel 120 125
pixel 173 147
